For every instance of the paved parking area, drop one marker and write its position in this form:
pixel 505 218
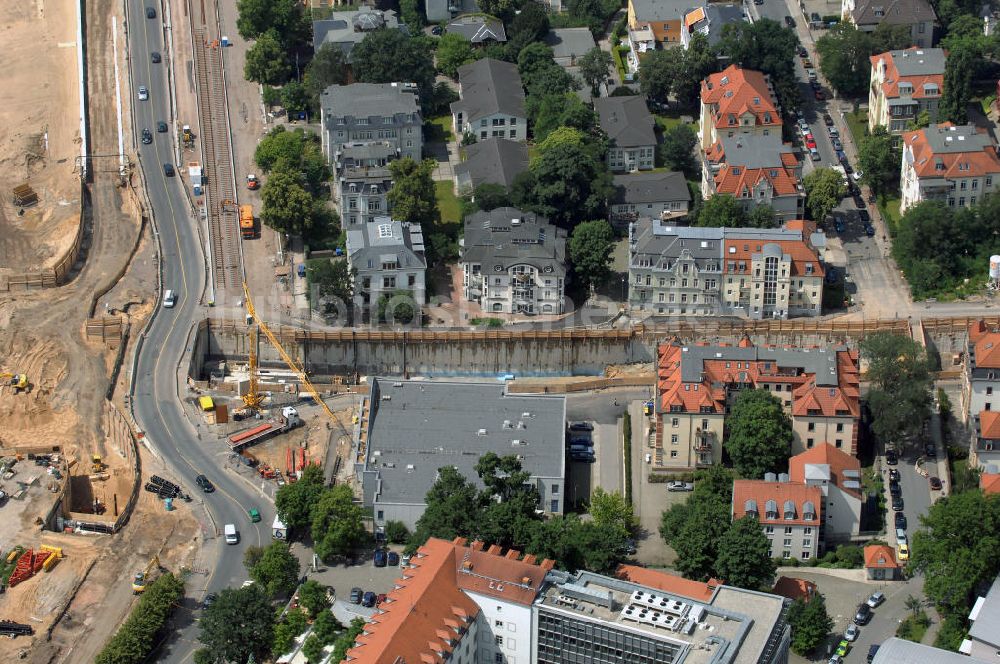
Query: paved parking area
pixel 342 577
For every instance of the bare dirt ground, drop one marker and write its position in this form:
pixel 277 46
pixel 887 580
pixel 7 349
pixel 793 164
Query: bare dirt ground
pixel 39 131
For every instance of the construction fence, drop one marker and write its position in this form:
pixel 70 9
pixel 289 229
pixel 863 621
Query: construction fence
pixel 559 387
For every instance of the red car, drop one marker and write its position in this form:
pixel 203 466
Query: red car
pixel 820 96
pixel 809 136
pixel 811 145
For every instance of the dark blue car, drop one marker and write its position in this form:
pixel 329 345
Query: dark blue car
pixel 380 558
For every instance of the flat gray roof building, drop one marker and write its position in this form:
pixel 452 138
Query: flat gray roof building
pixel 414 428
pixel 901 651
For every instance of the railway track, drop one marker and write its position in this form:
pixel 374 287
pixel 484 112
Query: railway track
pixel 220 198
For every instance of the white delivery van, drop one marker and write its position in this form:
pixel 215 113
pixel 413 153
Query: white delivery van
pixel 169 299
pixel 232 537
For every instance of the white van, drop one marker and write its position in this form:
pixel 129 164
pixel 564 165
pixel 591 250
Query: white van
pixel 232 537
pixel 169 299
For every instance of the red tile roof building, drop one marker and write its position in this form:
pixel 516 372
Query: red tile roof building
pixel 755 170
pixel 954 165
pixel 820 389
pixel 904 84
pixel 990 483
pixel 981 393
pixel 838 475
pixel 793 588
pixel 737 101
pixel 790 513
pixel 880 562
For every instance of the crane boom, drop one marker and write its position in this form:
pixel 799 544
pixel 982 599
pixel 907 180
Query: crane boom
pixel 292 364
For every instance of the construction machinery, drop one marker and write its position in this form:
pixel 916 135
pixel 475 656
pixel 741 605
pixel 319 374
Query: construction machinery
pixel 252 182
pixel 253 398
pixel 186 136
pixel 18 381
pixel 247 230
pixel 143 578
pixel 97 463
pixel 291 363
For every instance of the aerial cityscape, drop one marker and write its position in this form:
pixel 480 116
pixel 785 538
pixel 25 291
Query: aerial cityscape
pixel 500 332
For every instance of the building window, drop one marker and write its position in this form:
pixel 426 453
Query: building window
pixel 807 542
pixel 989 391
pixel 676 421
pixel 673 454
pixel 555 489
pixel 786 555
pixel 498 658
pixel 840 443
pixel 812 426
pixel 555 506
pixel 673 439
pixel 499 640
pixel 788 530
pixel 807 531
pixel 769 530
pixel 788 541
pixel 809 443
pixel 381 515
pixel 498 623
pixel 840 427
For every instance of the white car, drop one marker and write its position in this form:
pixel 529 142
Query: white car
pixel 852 633
pixel 857 175
pixel 680 486
pixel 901 536
pixel 143 93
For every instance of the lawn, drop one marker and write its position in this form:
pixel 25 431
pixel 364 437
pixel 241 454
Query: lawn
pixel 889 207
pixel 913 628
pixel 438 129
pixel 858 122
pixel 665 122
pixel 447 202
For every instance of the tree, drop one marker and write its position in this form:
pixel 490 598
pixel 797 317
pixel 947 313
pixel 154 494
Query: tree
pixel 266 61
pixel 745 556
pixel 530 25
pixel 590 247
pixel 288 207
pixel 313 597
pixel 762 216
pixel 844 53
pixel 454 508
pixel 284 17
pixel 547 113
pixel 412 14
pixel 595 66
pixel 958 71
pixel 413 196
pixel 453 51
pixel 657 72
pixel 254 18
pixel 396 532
pixel 677 148
pixel 135 640
pixel 611 511
pixel 490 196
pixel 337 523
pixel 277 570
pixel 391 56
pixel 397 307
pixel 721 210
pixel 238 625
pixel 565 183
pixel 312 649
pixel 540 74
pixel 294 501
pixel 958 550
pixel 810 623
pixel 510 501
pixel 577 544
pixel 891 37
pixel 900 393
pixel 913 605
pixel 252 556
pixel 824 191
pixel 294 97
pixel 328 67
pixel 663 72
pixel 758 434
pixel 293 624
pixel 766 46
pixel 332 282
pixel 879 160
pixel 279 145
pixel 694 530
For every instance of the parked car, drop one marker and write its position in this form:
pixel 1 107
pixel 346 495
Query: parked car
pixel 935 483
pixel 147 136
pixel 832 131
pixel 583 457
pixel 806 62
pixel 790 22
pixel 155 57
pixel 629 547
pixel 580 442
pixel 581 426
pixel 904 552
pixel 858 201
pixel 150 12
pixel 891 458
pixel 811 145
pixel 843 647
pixel 380 558
pixel 168 170
pixel 209 600
pixel 897 503
pixel 808 136
pixel 869 230
pixel 810 73
pixel 161 127
pixel 852 633
pixel 815 17
pixel 894 489
pixel 863 615
pixel 900 520
pixel 405 560
pixel 827 120
pixel 875 600
pixel 204 483
pixel 893 475
pixel 872 651
pixel 814 154
pixel 864 215
pixel 835 142
pixel 368 599
pixel 858 175
pixel 393 558
pixel 930 450
pixel 436 30
pixel 901 535
pixel 819 95
pixel 838 225
pixel 803 53
pixel 835 659
pixel 356 594
pixel 143 93
pixel 680 486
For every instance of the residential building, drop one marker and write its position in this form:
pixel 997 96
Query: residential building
pixel 569 44
pixel 900 651
pixel 479 29
pixel 708 19
pixel 492 101
pixel 444 10
pixel 410 429
pixel 661 195
pixel 837 474
pixel 386 255
pixel 983 641
pixel 691 271
pixel 513 262
pixel 345 30
pixel 790 513
pixel 362 113
pixel 493 161
pixel 755 170
pixel 629 126
pixel 956 165
pixel 981 393
pixel 737 101
pixel 362 181
pixel 586 617
pixel 654 24
pixel 696 385
pixel 881 564
pixel 456 602
pixel 903 85
pixel 867 15
pixel 794 589
pixel 989 480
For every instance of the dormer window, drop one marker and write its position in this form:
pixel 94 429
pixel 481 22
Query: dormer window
pixel 789 510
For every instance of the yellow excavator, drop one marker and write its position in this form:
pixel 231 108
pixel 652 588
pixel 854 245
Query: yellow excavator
pixel 142 578
pixel 18 381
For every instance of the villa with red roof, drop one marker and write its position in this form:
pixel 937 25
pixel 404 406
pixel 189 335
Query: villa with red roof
pixel 737 101
pixel 755 170
pixel 955 165
pixel 819 388
pixel 904 84
pixel 837 474
pixel 791 514
pixel 981 393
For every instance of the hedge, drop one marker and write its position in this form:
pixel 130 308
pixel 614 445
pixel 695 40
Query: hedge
pixel 134 642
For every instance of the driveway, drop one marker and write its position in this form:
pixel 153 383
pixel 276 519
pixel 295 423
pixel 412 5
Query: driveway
pixel 649 499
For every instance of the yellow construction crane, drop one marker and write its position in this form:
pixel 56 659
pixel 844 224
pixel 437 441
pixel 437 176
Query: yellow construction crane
pixel 18 381
pixel 292 364
pixel 142 578
pixel 253 397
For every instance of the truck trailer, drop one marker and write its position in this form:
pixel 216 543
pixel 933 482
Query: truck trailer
pixel 288 420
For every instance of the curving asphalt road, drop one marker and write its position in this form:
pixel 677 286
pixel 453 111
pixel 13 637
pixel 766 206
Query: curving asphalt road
pixel 156 401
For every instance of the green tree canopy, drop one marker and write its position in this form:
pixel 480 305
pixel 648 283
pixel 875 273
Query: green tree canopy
pixel 540 74
pixel 288 207
pixel 413 196
pixel 391 56
pixel 694 530
pixel 337 523
pixel 879 160
pixel 745 556
pixel 397 307
pixel 454 508
pixel 313 597
pixel 666 73
pixel 141 632
pixel 328 67
pixel 677 149
pixel 595 68
pixel 453 51
pixel 900 375
pixel 824 190
pixel 758 434
pixel 412 13
pixel 266 61
pixel 766 46
pixel 566 183
pixel 277 570
pixel 810 623
pixel 721 210
pixel 958 71
pixel 577 544
pixel 490 196
pixel 762 216
pixel 238 625
pixel 844 52
pixel 590 247
pixel 510 501
pixel 612 511
pixel 332 280
pixel 293 624
pixel 530 25
pixel 294 501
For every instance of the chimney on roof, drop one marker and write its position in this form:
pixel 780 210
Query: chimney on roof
pixel 548 564
pixel 476 546
pixel 459 541
pixel 525 580
pixel 467 565
pixel 494 550
pixel 512 554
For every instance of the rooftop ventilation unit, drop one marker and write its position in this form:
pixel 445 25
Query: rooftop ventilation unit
pixel 481 432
